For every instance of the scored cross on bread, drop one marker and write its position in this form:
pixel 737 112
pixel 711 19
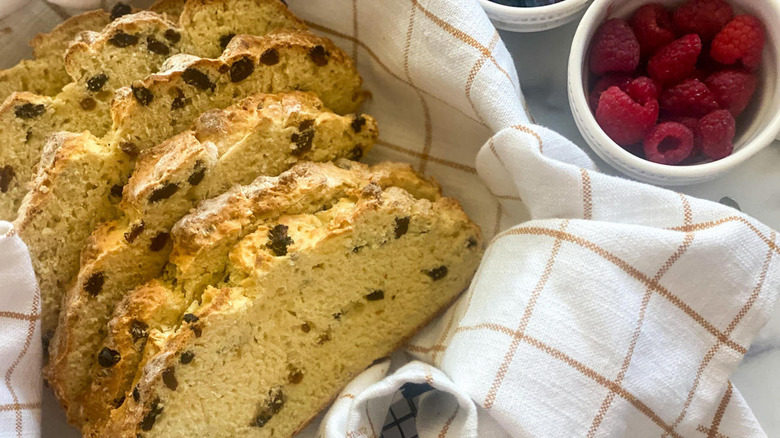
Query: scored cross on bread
pixel 261 135
pixel 308 294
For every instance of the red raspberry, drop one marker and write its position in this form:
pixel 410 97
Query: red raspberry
pixel 620 80
pixel 703 17
pixel 643 89
pixel 668 143
pixel 614 48
pixel 691 98
pixel 717 133
pixel 692 123
pixel 676 61
pixel 624 120
pixel 741 39
pixel 652 24
pixel 733 89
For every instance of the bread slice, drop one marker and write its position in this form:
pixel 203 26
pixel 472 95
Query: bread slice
pixel 209 25
pixel 75 169
pixel 87 211
pixel 262 135
pixel 163 104
pixel 308 299
pixel 45 74
pixel 20 152
pixel 201 259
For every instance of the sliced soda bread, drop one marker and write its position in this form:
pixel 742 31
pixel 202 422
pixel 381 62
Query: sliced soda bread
pixel 262 135
pixel 308 300
pixel 203 240
pixel 209 25
pixel 100 63
pixel 277 80
pixel 46 74
pixel 130 48
pixel 19 114
pixel 179 94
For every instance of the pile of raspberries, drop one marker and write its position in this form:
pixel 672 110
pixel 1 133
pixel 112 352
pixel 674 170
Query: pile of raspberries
pixel 675 81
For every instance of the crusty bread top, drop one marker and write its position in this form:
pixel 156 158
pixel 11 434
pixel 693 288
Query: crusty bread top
pixel 60 147
pixel 53 44
pixel 224 303
pixel 223 217
pixel 225 127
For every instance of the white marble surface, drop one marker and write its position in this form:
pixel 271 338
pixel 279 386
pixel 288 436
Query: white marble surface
pixel 541 60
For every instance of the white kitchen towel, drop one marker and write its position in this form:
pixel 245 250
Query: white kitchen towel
pixel 20 345
pixel 603 307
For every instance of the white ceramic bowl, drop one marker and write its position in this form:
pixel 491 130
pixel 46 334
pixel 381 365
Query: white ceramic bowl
pixel 535 19
pixel 756 128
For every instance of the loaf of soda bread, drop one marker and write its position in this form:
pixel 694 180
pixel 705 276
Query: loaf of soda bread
pixel 261 135
pixel 130 48
pixel 306 299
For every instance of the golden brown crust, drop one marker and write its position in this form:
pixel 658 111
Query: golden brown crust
pixel 209 24
pixel 129 333
pixel 222 218
pixel 165 164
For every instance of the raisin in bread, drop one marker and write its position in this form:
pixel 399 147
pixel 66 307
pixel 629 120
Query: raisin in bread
pixel 21 149
pixel 276 80
pixel 262 135
pixel 307 300
pixel 46 74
